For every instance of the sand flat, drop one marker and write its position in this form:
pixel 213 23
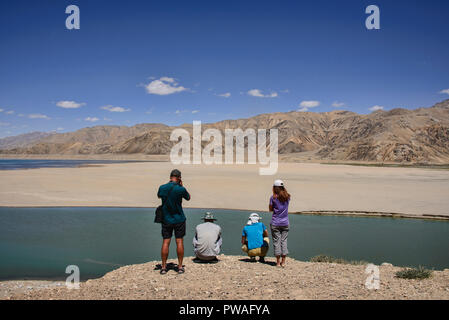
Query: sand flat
pixel 314 187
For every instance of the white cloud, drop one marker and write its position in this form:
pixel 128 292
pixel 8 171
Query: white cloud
pixel 69 104
pixel 38 116
pixel 1 110
pixel 91 119
pixel 4 124
pixel 376 108
pixel 224 95
pixel 164 86
pixel 59 129
pixel 178 111
pixel 337 104
pixel 258 93
pixel 446 91
pixel 115 109
pixel 167 79
pixel 107 119
pixel 9 112
pixel 309 104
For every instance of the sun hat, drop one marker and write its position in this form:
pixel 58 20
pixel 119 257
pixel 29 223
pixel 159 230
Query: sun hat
pixel 208 216
pixel 278 183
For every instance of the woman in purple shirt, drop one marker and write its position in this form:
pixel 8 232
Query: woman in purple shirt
pixel 279 222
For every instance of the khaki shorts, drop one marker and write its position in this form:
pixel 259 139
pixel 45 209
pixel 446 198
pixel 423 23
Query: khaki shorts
pixel 257 252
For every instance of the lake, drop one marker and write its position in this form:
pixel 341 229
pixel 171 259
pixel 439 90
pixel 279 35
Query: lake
pixel 41 242
pixel 18 164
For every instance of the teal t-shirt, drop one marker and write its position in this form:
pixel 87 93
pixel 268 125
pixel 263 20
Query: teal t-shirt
pixel 254 235
pixel 172 205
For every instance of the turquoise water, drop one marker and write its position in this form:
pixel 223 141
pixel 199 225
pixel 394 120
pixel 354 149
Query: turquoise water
pixel 41 242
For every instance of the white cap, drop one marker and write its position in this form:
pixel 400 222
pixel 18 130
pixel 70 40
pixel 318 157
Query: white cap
pixel 253 218
pixel 278 183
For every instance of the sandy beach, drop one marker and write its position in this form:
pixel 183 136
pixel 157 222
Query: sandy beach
pixel 228 279
pixel 314 187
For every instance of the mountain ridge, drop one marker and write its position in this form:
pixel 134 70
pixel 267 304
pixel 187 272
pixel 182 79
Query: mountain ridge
pixel 396 135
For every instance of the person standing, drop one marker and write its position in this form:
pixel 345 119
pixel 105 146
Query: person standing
pixel 174 219
pixel 207 241
pixel 279 202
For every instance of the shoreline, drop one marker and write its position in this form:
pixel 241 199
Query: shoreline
pixel 289 158
pixel 336 213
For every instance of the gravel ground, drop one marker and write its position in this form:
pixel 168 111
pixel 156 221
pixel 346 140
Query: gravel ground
pixel 16 287
pixel 234 277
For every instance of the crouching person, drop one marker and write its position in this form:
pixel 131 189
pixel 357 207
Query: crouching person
pixel 207 241
pixel 255 238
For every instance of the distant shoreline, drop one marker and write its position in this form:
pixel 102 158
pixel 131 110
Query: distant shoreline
pixel 138 157
pixel 336 213
pixel 29 164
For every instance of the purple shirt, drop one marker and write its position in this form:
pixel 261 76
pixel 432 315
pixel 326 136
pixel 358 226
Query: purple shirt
pixel 280 212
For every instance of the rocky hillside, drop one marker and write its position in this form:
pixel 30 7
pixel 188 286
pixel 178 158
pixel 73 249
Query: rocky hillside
pixel 23 140
pixel 398 135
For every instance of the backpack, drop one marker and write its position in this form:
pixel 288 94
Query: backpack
pixel 159 217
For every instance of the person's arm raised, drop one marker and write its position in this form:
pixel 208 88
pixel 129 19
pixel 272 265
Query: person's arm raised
pixel 186 195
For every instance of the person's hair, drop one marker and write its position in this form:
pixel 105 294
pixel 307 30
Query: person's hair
pixel 282 193
pixel 175 173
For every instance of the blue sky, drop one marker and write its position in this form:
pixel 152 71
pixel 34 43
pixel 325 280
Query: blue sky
pixel 175 62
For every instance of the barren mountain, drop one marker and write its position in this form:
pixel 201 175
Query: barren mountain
pixel 22 140
pixel 398 135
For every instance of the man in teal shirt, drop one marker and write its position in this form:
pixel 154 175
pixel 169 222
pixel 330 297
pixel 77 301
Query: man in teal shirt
pixel 174 219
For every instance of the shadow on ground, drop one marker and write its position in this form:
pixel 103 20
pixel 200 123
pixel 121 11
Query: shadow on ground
pixel 270 263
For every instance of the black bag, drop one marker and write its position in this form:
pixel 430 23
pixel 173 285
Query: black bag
pixel 159 217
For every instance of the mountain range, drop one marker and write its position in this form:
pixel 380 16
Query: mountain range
pixel 397 135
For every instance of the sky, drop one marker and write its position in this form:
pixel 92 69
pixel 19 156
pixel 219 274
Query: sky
pixel 174 62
